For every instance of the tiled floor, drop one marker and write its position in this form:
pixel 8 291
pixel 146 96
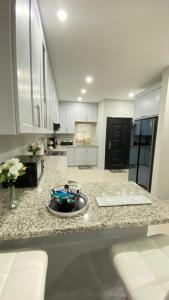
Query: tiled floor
pixel 98 175
pixel 95 175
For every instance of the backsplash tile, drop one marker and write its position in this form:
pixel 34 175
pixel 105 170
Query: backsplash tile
pixel 13 145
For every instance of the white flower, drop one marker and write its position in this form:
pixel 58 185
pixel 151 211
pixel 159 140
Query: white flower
pixel 14 171
pixel 20 166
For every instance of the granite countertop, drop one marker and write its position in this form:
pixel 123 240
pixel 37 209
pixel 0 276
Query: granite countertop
pixel 32 219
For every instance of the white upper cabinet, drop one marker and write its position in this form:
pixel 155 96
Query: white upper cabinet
pixel 86 112
pixel 147 105
pixel 7 104
pixel 56 108
pixel 67 117
pixel 36 55
pixel 71 112
pixel 22 66
pixel 27 91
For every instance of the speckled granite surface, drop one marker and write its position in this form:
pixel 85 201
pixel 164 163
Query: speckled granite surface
pixel 32 219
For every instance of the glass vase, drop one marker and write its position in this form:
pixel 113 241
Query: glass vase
pixel 12 196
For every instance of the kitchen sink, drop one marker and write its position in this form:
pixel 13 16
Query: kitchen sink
pixel 56 153
pixel 84 145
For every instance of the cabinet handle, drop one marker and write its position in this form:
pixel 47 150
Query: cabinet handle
pixel 38 114
pixel 109 145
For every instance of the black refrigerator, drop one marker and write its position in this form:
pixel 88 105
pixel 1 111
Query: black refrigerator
pixel 142 151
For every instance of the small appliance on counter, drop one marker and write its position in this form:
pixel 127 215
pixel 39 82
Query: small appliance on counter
pixel 34 171
pixel 52 142
pixel 66 143
pixel 67 201
pixel 56 126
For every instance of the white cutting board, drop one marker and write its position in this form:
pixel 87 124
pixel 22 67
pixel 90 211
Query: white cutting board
pixel 119 200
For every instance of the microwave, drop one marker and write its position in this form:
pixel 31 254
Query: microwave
pixel 34 171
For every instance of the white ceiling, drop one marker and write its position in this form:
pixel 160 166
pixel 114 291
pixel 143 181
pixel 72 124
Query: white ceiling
pixel 124 44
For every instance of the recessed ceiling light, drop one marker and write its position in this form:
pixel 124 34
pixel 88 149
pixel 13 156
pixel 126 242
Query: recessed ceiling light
pixel 62 15
pixel 89 79
pixel 131 94
pixel 79 98
pixel 83 91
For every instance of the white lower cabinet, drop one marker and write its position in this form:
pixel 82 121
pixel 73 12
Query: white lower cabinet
pixel 92 156
pixel 71 156
pixel 81 156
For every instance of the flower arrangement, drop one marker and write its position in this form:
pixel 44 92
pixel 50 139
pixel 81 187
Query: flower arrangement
pixel 10 170
pixel 34 148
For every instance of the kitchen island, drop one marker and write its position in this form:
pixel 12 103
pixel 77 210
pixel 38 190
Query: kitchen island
pixel 32 219
pixel 78 248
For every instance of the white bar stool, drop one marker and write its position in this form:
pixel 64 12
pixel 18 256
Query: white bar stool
pixel 143 267
pixel 23 275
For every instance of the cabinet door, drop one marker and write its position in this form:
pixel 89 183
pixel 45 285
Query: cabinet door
pixel 92 112
pixel 92 156
pixel 71 156
pixel 67 117
pixel 81 156
pixel 70 116
pixel 55 104
pixel 23 86
pixel 36 56
pixel 63 118
pixel 49 99
pixel 86 112
pixel 81 112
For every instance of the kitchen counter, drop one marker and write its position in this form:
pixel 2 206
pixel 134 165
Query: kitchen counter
pixel 32 219
pixel 63 147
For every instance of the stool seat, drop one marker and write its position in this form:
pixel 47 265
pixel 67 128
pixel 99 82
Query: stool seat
pixel 143 267
pixel 23 275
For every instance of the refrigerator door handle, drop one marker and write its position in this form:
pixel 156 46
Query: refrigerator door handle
pixel 109 145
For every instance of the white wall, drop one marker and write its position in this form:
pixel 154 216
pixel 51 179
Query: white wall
pixel 13 145
pixel 160 182
pixel 114 109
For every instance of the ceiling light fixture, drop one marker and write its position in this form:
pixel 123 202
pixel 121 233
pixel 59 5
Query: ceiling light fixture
pixel 79 98
pixel 83 91
pixel 89 79
pixel 131 94
pixel 62 15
